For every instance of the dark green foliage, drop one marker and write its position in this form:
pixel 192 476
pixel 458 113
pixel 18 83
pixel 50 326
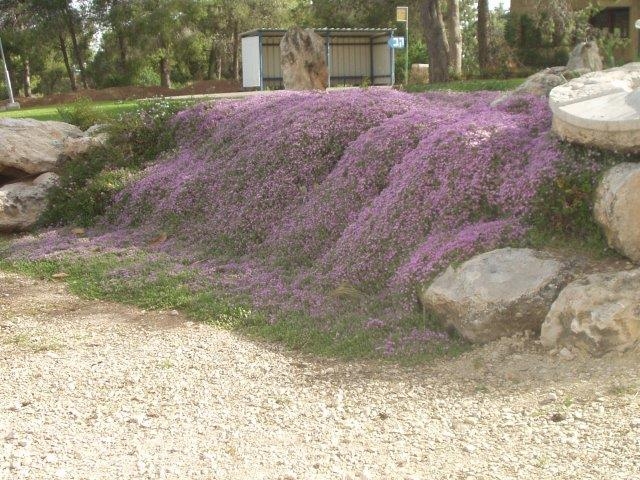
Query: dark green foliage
pixel 88 182
pixel 532 47
pixel 564 207
pixel 82 113
pixel 145 133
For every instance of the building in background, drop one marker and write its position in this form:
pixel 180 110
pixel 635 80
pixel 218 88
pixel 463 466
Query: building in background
pixel 615 16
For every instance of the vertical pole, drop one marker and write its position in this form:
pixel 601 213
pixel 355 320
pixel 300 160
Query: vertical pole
pixel 328 55
pixel 392 53
pixel 261 54
pixel 12 102
pixel 406 46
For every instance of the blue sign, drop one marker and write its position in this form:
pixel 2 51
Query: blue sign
pixel 396 42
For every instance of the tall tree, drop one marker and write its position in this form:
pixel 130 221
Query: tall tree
pixel 65 57
pixel 483 35
pixel 454 37
pixel 72 20
pixel 436 38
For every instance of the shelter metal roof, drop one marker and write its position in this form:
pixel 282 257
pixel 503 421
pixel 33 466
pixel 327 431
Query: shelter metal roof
pixel 325 31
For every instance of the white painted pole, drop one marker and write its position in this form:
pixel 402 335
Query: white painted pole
pixel 406 46
pixel 7 78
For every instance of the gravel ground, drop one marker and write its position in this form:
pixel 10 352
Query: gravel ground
pixel 92 390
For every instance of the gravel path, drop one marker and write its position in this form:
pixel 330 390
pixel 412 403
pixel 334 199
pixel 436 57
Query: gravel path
pixel 92 390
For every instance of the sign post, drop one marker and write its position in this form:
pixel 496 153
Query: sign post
pixel 402 15
pixel 12 103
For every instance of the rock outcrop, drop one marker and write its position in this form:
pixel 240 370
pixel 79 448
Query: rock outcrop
pixel 597 314
pixel 617 208
pixel 497 294
pixel 600 109
pixel 31 146
pixel 585 56
pixel 74 146
pixel 30 152
pixel 303 60
pixel 22 203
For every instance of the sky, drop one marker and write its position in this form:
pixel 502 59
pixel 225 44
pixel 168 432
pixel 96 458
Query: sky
pixel 495 3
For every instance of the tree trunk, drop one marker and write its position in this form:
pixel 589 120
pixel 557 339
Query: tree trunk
pixel 454 34
pixel 165 72
pixel 236 52
pixel 437 44
pixel 26 78
pixel 76 48
pixel 65 57
pixel 483 37
pixel 122 47
pixel 211 63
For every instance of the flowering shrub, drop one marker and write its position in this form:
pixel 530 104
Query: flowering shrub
pixel 333 202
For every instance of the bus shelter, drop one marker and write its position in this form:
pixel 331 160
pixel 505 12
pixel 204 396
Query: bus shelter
pixel 354 56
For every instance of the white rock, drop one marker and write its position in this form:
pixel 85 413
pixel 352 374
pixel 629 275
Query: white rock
pixel 539 84
pixel 51 458
pixel 617 208
pixel 598 314
pixel 73 147
pixel 32 146
pixel 22 203
pixel 550 398
pixel 566 354
pixel 469 448
pixel 496 294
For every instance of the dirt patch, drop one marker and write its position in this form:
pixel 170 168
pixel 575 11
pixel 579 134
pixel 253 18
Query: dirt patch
pixel 131 93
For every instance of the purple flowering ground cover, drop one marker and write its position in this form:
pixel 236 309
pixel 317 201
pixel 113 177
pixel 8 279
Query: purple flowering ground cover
pixel 337 205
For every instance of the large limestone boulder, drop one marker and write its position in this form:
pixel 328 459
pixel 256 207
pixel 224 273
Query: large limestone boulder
pixel 21 203
pixel 585 56
pixel 617 208
pixel 497 294
pixel 303 60
pixel 597 314
pixel 541 83
pixel 600 109
pixel 31 146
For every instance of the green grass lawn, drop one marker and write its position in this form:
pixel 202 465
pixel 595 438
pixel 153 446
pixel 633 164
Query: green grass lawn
pixel 470 85
pixel 109 108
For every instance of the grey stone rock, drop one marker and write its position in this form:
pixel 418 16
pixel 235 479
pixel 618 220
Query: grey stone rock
pixel 600 109
pixel 21 203
pixel 32 146
pixel 496 294
pixel 617 208
pixel 541 83
pixel 73 147
pixel 303 60
pixel 597 314
pixel 585 55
